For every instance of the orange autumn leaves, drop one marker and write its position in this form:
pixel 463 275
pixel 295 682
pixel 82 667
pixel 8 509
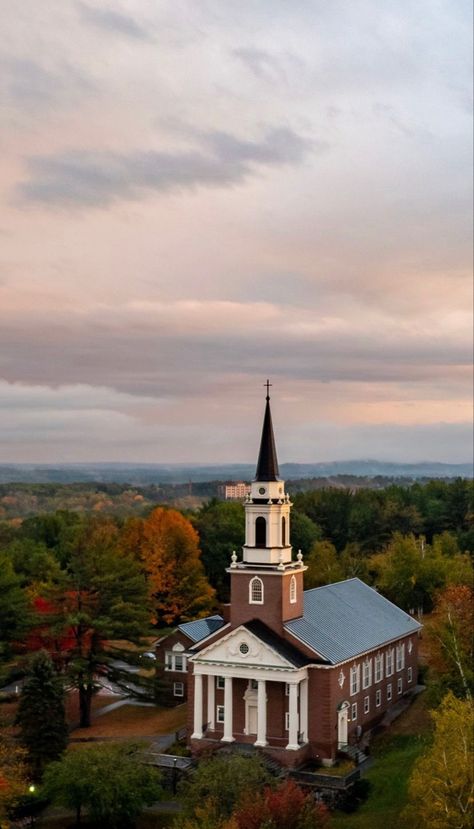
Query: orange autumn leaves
pixel 168 546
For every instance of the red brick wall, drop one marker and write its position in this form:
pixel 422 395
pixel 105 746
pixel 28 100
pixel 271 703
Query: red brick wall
pixel 167 678
pixel 276 608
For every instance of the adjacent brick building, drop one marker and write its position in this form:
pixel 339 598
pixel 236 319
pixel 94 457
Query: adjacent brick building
pixel 300 674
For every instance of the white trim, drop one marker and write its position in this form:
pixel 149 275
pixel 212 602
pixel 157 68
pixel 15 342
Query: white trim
pixel 367 675
pixel 353 712
pixel 378 698
pixel 293 590
pixel 200 657
pixel 256 580
pixel 366 705
pixel 175 693
pixel 409 674
pixel 220 711
pixel 220 682
pixel 209 636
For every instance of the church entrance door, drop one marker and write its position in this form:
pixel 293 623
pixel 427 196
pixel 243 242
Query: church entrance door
pixel 342 717
pixel 252 721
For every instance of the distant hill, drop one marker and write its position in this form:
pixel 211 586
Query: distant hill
pixel 143 474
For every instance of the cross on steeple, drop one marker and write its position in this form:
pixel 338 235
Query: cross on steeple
pixel 268 385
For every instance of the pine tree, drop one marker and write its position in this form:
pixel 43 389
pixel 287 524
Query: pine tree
pixel 41 713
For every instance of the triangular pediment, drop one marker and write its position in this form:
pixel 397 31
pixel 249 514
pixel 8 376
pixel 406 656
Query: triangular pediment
pixel 243 648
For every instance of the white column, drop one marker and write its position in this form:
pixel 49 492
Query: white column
pixel 304 710
pixel 228 736
pixel 197 733
pixel 261 714
pixel 293 724
pixel 211 707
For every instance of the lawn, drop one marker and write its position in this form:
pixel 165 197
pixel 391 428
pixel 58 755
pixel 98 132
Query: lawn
pixel 135 721
pixel 395 753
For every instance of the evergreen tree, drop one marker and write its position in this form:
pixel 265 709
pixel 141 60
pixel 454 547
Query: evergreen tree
pixel 41 713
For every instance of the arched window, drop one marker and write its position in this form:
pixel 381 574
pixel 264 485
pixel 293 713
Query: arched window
pixel 256 590
pixel 260 532
pixel 292 589
pixel 283 532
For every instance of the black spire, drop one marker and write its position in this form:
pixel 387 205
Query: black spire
pixel 267 464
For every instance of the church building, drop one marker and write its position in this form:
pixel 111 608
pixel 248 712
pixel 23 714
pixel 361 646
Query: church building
pixel 299 674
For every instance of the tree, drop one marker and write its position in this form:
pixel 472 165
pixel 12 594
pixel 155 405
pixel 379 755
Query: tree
pixel 303 532
pixel 167 544
pixel 451 634
pixel 41 713
pixel 15 616
pixel 323 565
pixel 218 785
pixel 285 807
pixel 13 776
pixel 109 780
pixel 102 596
pixel 441 787
pixel 221 529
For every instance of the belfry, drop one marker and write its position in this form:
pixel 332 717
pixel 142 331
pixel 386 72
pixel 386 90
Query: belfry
pixel 267 573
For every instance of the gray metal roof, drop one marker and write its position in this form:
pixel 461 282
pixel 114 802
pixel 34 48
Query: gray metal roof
pixel 200 628
pixel 345 619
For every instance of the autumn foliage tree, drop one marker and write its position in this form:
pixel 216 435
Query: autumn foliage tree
pixel 168 546
pixel 285 807
pixel 441 788
pixel 451 634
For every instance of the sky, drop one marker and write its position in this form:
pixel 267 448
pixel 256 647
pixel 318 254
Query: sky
pixel 201 194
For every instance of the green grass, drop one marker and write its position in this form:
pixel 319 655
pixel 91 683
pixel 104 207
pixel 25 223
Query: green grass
pixel 394 759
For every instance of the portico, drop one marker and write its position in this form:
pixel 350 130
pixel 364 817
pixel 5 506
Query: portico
pixel 264 702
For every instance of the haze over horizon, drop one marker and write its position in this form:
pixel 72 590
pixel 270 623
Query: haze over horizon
pixel 200 196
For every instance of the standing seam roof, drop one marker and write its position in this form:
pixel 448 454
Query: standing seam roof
pixel 200 628
pixel 345 619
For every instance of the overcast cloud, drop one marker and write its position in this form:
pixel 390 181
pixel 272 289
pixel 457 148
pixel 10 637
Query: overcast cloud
pixel 200 195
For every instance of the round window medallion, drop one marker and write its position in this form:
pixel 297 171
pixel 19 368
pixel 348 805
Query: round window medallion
pixel 244 648
pixel 262 490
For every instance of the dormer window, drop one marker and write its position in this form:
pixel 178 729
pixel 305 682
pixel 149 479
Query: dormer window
pixel 256 591
pixel 293 590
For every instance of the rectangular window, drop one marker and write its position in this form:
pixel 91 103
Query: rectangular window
pixel 400 685
pixel 389 662
pixel 287 689
pixel 378 698
pixel 220 683
pixel 379 667
pixel 367 673
pixel 354 711
pixel 287 720
pixel 400 657
pixel 410 674
pixel 175 662
pixel 389 692
pixel 178 689
pixel 366 705
pixel 254 684
pixel 220 713
pixel 355 679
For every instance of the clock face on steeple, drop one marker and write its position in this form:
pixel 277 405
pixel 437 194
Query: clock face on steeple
pixel 262 490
